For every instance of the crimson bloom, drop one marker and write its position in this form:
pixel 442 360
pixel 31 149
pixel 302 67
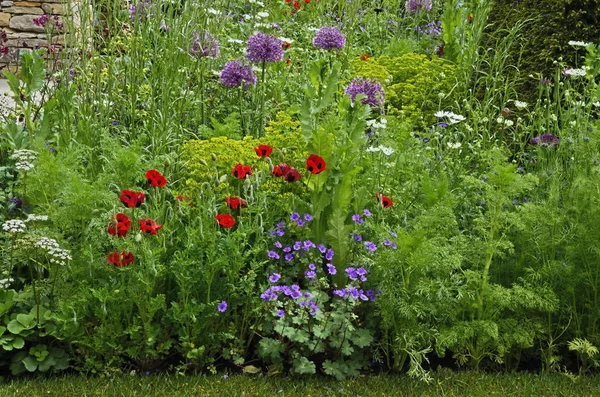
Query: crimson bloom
pixel 120 259
pixel 149 226
pixel 122 227
pixel 132 199
pixel 155 178
pixel 385 201
pixel 241 171
pixel 225 220
pixel 235 202
pixel 263 150
pixel 292 175
pixel 280 170
pixel 315 164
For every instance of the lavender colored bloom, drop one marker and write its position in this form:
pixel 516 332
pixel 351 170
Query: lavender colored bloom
pixel 342 293
pixel 361 271
pixel 274 277
pixel 442 124
pixel 321 248
pixel 308 217
pixel 264 48
pixel 389 243
pixel 280 232
pixel 414 6
pixel 287 249
pixel 357 237
pixel 329 254
pixel 164 27
pixel 295 294
pixel 393 234
pixel 329 38
pixel 352 275
pixel 277 244
pixel 545 141
pixel 234 74
pixel 281 225
pixel 279 313
pixel 288 257
pixel 370 246
pixel 371 294
pixel 367 212
pixel 356 218
pixel 312 266
pixel 300 223
pixel 311 275
pixel 205 45
pixel 295 217
pixel 331 269
pixel 297 245
pixel 222 307
pixel 273 255
pixel 308 295
pixel 140 11
pixel 308 245
pixel 369 87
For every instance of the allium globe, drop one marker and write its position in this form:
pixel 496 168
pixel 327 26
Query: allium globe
pixel 329 38
pixel 369 87
pixel 264 48
pixel 205 45
pixel 234 74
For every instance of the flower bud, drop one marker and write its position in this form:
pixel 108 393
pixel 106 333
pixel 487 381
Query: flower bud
pixel 505 112
pixel 203 162
pixel 138 238
pixel 167 163
pixel 213 156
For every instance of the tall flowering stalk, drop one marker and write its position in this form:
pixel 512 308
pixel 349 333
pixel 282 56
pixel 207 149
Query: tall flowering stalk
pixel 203 46
pixel 240 76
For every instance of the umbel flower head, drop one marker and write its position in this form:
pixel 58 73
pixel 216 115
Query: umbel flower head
pixel 205 45
pixel 369 87
pixel 329 38
pixel 234 74
pixel 413 6
pixel 264 48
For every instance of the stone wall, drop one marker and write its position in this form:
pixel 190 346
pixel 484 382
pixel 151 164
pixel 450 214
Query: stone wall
pixel 23 34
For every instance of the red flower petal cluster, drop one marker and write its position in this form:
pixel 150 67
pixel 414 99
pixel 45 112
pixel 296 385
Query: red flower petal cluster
pixel 315 164
pixel 364 57
pixel 263 150
pixel 120 259
pixel 122 227
pixel 385 201
pixel 296 5
pixel 280 170
pixel 155 178
pixel 225 220
pixel 241 171
pixel 132 199
pixel 149 226
pixel 292 175
pixel 235 202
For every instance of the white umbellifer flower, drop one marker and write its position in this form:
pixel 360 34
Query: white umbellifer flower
pixel 24 155
pixel 24 166
pixel 575 72
pixel 57 254
pixel 33 217
pixel 596 104
pixel 263 14
pixel 456 145
pixel 388 151
pixel 260 3
pixel 212 11
pixel 235 41
pixel 14 226
pixel 453 118
pixel 578 43
pixel 377 125
pixel 520 105
pixel 508 123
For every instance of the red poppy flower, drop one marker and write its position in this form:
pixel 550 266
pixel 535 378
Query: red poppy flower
pixel 364 57
pixel 132 199
pixel 120 259
pixel 385 201
pixel 286 45
pixel 263 151
pixel 122 227
pixel 235 202
pixel 155 178
pixel 288 1
pixel 292 175
pixel 149 226
pixel 315 164
pixel 241 171
pixel 296 5
pixel 280 170
pixel 225 220
pixel 307 1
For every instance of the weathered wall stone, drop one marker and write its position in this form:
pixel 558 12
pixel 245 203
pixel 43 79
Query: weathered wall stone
pixel 25 23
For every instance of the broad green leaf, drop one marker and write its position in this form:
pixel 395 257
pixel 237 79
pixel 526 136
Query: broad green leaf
pixel 30 363
pixel 303 365
pixel 15 327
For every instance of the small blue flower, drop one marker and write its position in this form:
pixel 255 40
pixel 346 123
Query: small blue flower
pixel 321 248
pixel 300 222
pixel 329 254
pixel 278 244
pixel 222 306
pixel 287 249
pixel 288 257
pixel 273 255
pixel 312 266
pixel 297 245
pixel 279 313
pixel 331 269
pixel 357 237
pixel 295 217
pixel 308 217
pixel 367 212
pixel 311 275
pixel 370 246
pixel 274 277
pixel 356 218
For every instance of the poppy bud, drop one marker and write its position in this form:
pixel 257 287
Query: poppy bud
pixel 169 213
pixel 271 168
pixel 203 162
pixel 283 150
pixel 167 163
pixel 213 156
pixel 138 238
pixel 505 112
pixel 223 178
pixel 180 213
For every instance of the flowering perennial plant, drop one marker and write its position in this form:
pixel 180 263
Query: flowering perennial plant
pixel 264 48
pixel 329 38
pixel 371 88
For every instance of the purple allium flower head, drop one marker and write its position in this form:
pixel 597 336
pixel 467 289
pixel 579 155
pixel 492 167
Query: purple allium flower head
pixel 329 38
pixel 413 6
pixel 273 255
pixel 308 217
pixel 279 313
pixel 356 218
pixel 367 212
pixel 370 246
pixel 295 217
pixel 274 277
pixel 234 74
pixel 205 45
pixel 288 257
pixel 369 87
pixel 222 306
pixel 545 141
pixel 264 48
pixel 331 269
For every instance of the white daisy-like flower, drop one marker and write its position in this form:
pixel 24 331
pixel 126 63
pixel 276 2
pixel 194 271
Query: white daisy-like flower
pixel 575 72
pixel 509 123
pixel 520 104
pixel 453 118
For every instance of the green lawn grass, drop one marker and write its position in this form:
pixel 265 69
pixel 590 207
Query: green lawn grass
pixel 445 383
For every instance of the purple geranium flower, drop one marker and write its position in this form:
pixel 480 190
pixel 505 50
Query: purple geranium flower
pixel 274 277
pixel 222 306
pixel 329 38
pixel 370 246
pixel 357 237
pixel 295 217
pixel 367 212
pixel 273 255
pixel 288 257
pixel 369 87
pixel 356 218
pixel 279 313
pixel 331 269
pixel 264 48
pixel 308 217
pixel 234 74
